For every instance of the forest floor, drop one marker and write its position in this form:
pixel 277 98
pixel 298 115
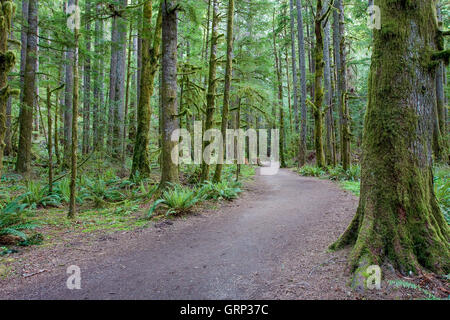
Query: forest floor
pixel 271 243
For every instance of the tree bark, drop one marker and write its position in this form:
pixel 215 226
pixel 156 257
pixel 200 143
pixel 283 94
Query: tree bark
pixel 151 44
pixel 318 89
pixel 87 84
pixel 68 102
pixel 119 84
pixel 302 65
pixel 169 119
pixel 280 95
pixel 341 87
pixel 294 66
pixel 398 218
pixel 7 62
pixel 23 164
pixel 227 89
pixel 73 175
pixel 328 93
pixel 212 85
pixel 99 116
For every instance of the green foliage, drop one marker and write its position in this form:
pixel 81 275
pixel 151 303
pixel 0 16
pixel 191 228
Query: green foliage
pixel 413 286
pixel 13 220
pixel 442 190
pixel 336 173
pixel 354 173
pixel 178 200
pixel 333 173
pixel 311 171
pixel 37 195
pixel 352 186
pixel 62 189
pixel 33 240
pixel 225 189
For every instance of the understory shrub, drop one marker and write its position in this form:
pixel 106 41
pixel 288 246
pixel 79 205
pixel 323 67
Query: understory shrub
pixel 13 220
pixel 177 200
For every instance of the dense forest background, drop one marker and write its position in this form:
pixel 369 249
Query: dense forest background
pixel 86 111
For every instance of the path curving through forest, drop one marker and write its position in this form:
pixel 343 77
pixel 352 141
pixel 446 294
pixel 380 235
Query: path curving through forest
pixel 269 244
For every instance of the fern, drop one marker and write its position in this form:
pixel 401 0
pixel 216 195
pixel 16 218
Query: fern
pixel 413 286
pixel 311 171
pixel 13 221
pixel 227 190
pixel 177 200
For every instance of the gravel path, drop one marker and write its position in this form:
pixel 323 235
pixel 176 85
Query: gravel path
pixel 270 244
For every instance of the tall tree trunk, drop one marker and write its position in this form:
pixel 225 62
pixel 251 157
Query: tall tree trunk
pixel 49 140
pixel 132 122
pixel 87 84
pixel 23 164
pixel 7 62
pixel 73 175
pixel 112 84
pixel 328 93
pixel 119 84
pixel 68 102
pixel 99 114
pixel 23 45
pixel 280 95
pixel 8 121
pixel 127 92
pixel 341 87
pixel 212 85
pixel 294 66
pixel 288 81
pixel 398 218
pixel 302 65
pixel 169 119
pixel 318 89
pixel 151 44
pixel 227 89
pixel 57 112
pixel 440 133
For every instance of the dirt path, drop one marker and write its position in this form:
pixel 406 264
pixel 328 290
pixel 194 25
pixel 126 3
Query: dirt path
pixel 270 244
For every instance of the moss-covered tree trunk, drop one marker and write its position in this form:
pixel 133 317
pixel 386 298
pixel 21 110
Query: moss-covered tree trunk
pixel 212 84
pixel 329 153
pixel 440 142
pixel 341 82
pixel 99 116
pixel 169 110
pixel 345 128
pixel 74 144
pixel 227 89
pixel 49 140
pixel 302 66
pixel 294 65
pixel 68 101
pixel 23 164
pixel 151 44
pixel 398 218
pixel 7 60
pixel 318 87
pixel 86 142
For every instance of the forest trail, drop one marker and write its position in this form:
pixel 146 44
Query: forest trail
pixel 269 244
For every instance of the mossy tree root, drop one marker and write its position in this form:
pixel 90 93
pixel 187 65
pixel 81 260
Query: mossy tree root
pixel 410 233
